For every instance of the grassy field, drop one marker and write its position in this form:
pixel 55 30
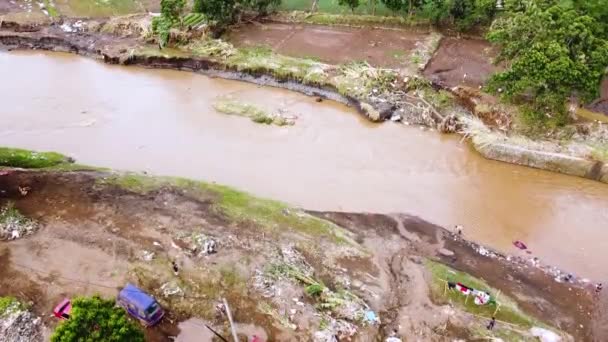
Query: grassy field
pixel 99 8
pixel 512 324
pixel 332 6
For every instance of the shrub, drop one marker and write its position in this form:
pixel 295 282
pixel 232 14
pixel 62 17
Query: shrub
pixel 96 319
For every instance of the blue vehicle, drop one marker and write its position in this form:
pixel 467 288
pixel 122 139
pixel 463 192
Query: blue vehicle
pixel 140 305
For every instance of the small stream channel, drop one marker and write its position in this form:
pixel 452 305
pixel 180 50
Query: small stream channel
pixel 163 122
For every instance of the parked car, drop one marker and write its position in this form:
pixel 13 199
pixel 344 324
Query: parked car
pixel 140 305
pixel 63 309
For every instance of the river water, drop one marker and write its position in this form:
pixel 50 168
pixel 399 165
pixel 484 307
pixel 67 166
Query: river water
pixel 163 122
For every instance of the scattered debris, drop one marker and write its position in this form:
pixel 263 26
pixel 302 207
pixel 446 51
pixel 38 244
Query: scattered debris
pixel 147 255
pixel 13 225
pixel 171 289
pixel 545 335
pixel 20 325
pixel 445 252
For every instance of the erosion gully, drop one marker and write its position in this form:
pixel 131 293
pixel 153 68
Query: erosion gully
pixel 163 122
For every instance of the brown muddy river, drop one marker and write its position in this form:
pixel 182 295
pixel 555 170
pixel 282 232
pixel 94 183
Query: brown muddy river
pixel 163 122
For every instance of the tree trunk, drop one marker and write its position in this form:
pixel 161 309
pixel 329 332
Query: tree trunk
pixel 315 4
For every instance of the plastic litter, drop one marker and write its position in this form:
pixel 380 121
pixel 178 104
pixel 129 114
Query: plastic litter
pixel 371 317
pixel 545 335
pixel 520 245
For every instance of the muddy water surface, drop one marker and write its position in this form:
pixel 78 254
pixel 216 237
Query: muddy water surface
pixel 163 122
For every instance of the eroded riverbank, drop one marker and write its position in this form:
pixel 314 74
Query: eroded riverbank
pixel 116 227
pixel 332 159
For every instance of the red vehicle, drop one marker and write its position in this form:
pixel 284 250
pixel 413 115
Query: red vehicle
pixel 63 309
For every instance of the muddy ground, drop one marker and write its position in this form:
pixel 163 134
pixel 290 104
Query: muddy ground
pixel 93 233
pixel 462 61
pixel 336 45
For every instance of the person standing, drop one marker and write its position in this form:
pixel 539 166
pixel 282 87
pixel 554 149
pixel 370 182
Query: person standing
pixel 491 324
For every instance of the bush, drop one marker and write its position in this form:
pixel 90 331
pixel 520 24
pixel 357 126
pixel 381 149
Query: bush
pixel 352 4
pixel 96 319
pixel 222 11
pixel 262 6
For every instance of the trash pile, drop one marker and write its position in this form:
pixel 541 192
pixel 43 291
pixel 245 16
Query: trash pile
pixel 77 26
pixel 199 245
pixel 13 225
pixel 147 256
pixel 19 325
pixel 340 309
pixel 171 289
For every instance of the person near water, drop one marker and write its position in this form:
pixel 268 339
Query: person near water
pixel 492 323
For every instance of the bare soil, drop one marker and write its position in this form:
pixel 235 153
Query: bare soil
pixel 461 61
pixel 92 236
pixel 336 45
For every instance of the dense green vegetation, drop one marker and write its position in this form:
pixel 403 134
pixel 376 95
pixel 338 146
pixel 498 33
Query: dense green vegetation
pixel 97 319
pixel 15 157
pixel 555 50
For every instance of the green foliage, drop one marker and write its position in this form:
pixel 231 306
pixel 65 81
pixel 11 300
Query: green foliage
pixel 15 157
pixel 314 290
pixel 555 52
pixel 221 11
pixel 170 17
pixel 9 304
pixel 97 319
pixel 261 6
pixel 198 6
pixel 172 8
pixel 396 5
pixel 352 4
pixel 194 19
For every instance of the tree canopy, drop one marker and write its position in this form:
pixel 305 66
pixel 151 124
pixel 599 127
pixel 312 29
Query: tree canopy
pixel 96 319
pixel 553 51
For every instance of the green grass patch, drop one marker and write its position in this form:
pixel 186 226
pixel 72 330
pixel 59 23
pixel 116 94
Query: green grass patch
pixel 332 6
pixel 261 59
pixel 257 115
pixel 8 304
pixel 104 8
pixel 360 20
pixel 15 157
pixel 508 312
pixel 237 205
pixel 51 9
pixel 600 152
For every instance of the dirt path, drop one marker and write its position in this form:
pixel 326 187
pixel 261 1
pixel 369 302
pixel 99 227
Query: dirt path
pixel 462 62
pixel 335 45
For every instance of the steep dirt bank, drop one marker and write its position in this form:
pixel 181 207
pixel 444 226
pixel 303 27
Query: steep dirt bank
pixel 99 230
